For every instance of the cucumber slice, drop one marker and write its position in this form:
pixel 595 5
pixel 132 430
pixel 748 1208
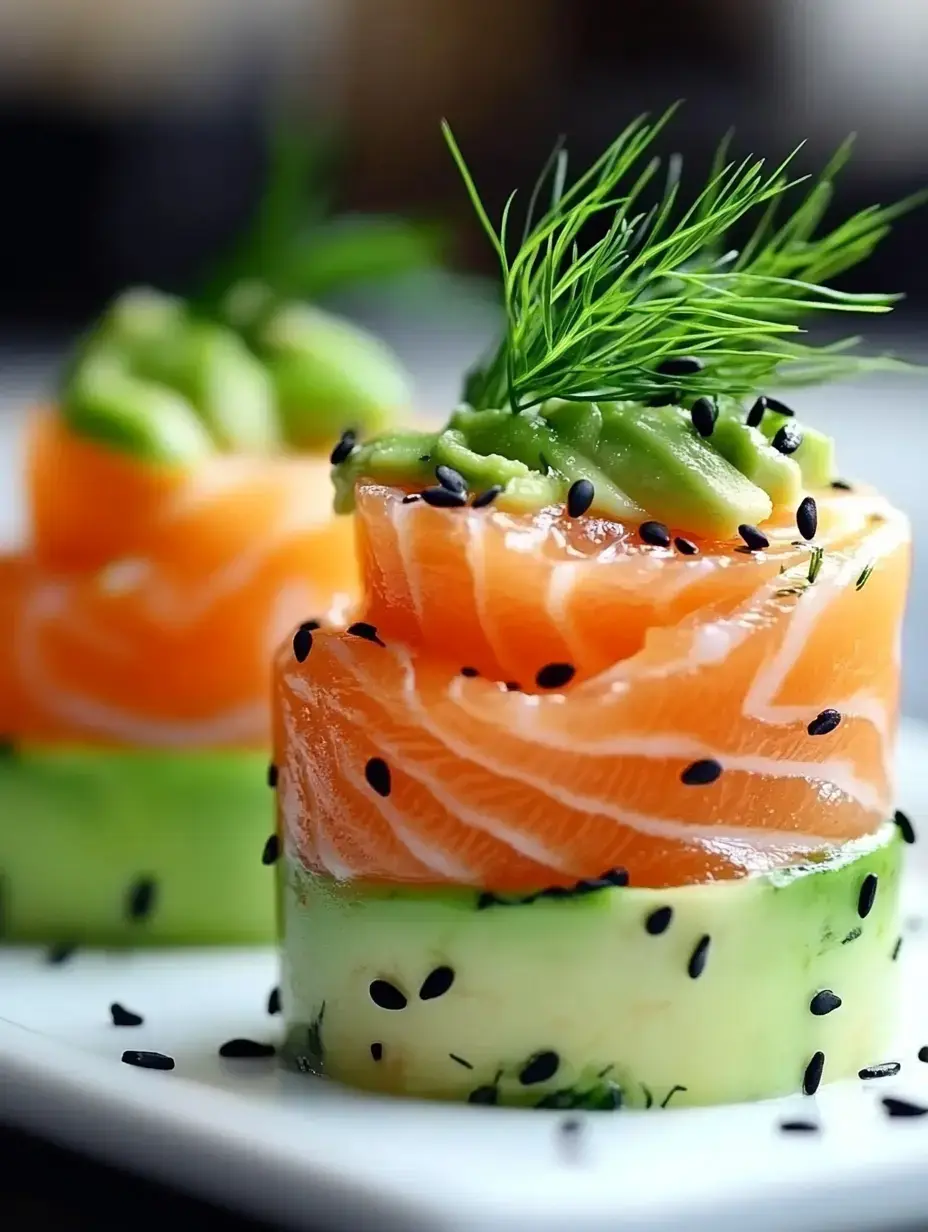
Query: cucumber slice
pixel 749 451
pixel 700 994
pixel 86 831
pixel 815 455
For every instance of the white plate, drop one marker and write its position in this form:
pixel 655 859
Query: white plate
pixel 309 1154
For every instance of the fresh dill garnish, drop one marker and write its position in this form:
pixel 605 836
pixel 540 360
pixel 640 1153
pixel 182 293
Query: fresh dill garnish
pixel 865 576
pixel 664 282
pixel 815 564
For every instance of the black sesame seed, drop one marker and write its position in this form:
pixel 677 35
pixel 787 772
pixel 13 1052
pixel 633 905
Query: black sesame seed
pixel 539 1068
pixel 824 723
pixel 867 895
pixel 273 1001
pixel 851 936
pixel 778 407
pixel 124 1018
pixel 451 479
pixel 443 498
pixel 615 876
pixel 61 952
pixel 377 1051
pixel 902 1107
pixel 555 675
pixel 411 497
pixel 302 643
pixel 361 628
pixel 271 851
pixel 246 1049
pixel 755 540
pixel 923 1053
pixel 701 773
pixel 756 413
pixel 704 413
pixel 906 828
pixel 886 1069
pixel 387 995
pixel 344 448
pixel 680 365
pixel 579 497
pixel 896 948
pixel 487 497
pixel 788 439
pixel 807 517
pixel 799 1127
pixel 697 963
pixel 824 1002
pixel 655 534
pixel 141 898
pixel 685 547
pixel 273 774
pixel 658 920
pixel 148 1060
pixel 460 1060
pixel 813 1073
pixel 841 485
pixel 436 983
pixel 470 672
pixel 377 773
pixel 483 1095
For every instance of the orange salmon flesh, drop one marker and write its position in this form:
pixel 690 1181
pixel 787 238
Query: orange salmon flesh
pixel 146 607
pixel 678 732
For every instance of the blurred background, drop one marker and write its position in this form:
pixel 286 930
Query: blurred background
pixel 135 144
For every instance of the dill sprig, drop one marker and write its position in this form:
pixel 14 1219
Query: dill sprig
pixel 664 281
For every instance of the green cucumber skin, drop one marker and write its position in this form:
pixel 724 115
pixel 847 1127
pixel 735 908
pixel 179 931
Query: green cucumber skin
pixel 80 826
pixel 584 978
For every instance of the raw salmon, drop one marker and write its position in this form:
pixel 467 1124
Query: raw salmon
pixel 146 606
pixel 534 699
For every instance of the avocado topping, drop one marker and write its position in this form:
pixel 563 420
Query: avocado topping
pixel 640 363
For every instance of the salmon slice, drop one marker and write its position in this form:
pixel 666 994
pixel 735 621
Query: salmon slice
pixel 148 606
pixel 726 657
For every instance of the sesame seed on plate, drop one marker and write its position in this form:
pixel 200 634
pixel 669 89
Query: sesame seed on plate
pixel 824 1002
pixel 487 497
pixel 824 723
pixel 754 539
pixel 701 773
pixel 443 498
pixel 245 1049
pixel 377 773
pixel 555 675
pixel 885 1069
pixel 867 895
pixel 807 517
pixel 271 851
pixel 579 497
pixel 788 439
pixel 344 448
pixel 655 534
pixel 361 628
pixel 812 1077
pixel 148 1060
pixel 451 479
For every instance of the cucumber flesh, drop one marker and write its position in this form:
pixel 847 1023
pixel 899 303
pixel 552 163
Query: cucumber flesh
pixel 111 847
pixel 586 1000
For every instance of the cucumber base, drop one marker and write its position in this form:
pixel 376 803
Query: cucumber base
pixel 611 996
pixel 112 847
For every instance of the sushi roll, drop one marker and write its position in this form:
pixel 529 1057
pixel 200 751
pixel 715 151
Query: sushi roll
pixel 180 525
pixel 593 806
